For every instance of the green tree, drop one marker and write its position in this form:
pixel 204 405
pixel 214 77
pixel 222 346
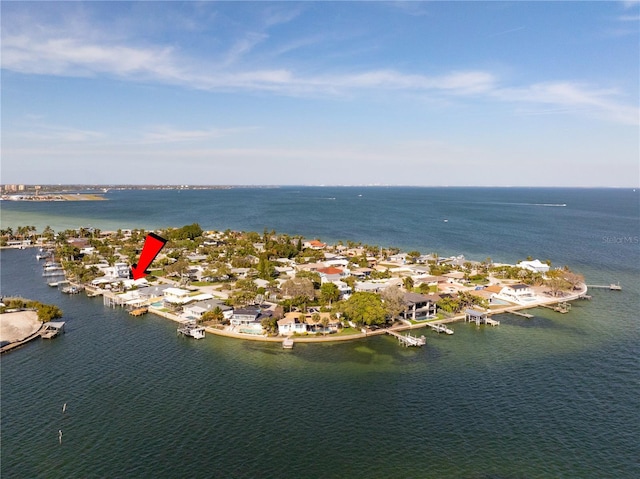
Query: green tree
pixel 48 233
pixel 48 312
pixel 270 324
pixel 449 304
pixel 412 256
pixel 266 270
pixel 329 293
pixel 365 308
pixel 216 315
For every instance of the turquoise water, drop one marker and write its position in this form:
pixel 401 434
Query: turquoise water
pixel 552 396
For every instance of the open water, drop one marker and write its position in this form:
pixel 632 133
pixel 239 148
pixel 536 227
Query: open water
pixel 548 397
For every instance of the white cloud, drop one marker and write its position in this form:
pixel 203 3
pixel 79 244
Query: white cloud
pixel 45 51
pixel 57 134
pixel 173 135
pixel 573 97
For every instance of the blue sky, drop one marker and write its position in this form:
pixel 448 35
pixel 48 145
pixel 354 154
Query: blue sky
pixel 400 93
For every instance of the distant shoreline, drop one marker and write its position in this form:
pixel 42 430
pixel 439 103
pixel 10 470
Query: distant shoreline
pixel 55 197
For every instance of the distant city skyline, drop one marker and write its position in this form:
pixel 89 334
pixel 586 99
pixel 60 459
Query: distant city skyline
pixel 321 93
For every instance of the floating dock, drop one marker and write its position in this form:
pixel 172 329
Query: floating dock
pixel 287 343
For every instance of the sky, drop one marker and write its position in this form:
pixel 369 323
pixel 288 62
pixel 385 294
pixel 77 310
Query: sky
pixel 321 93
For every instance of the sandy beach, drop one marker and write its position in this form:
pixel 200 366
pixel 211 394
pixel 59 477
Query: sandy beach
pixel 18 326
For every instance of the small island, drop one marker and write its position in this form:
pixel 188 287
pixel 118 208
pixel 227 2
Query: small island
pixel 274 287
pixel 22 320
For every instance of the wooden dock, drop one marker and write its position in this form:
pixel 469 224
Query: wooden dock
pixel 409 340
pixel 138 311
pixel 480 317
pixel 611 287
pixel 440 328
pixel 52 329
pixel 519 313
pixel 562 308
pixel 287 343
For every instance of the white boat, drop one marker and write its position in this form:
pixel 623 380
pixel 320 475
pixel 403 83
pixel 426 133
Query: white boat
pixel 192 330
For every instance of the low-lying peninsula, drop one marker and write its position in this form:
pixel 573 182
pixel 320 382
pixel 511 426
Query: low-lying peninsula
pixel 269 286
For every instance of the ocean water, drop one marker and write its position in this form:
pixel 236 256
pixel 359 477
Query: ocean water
pixel 552 396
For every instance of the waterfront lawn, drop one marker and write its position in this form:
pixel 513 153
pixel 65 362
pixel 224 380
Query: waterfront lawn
pixel 348 331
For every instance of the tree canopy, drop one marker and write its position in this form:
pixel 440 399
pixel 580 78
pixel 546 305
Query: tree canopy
pixel 365 308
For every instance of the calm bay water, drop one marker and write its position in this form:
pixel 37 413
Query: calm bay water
pixel 553 396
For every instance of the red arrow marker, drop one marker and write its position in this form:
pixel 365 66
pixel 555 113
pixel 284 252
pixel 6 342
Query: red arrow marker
pixel 152 246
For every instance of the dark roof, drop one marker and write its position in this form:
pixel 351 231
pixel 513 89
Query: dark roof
pixel 412 298
pixel 519 286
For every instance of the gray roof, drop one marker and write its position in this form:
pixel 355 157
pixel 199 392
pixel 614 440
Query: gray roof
pixel 211 304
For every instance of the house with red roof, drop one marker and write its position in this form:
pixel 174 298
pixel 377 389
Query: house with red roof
pixel 331 274
pixel 314 244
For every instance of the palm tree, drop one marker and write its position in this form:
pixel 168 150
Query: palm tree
pixel 408 283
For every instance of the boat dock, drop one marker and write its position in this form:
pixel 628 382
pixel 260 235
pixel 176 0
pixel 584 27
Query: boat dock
pixel 192 330
pixel 611 287
pixel 139 311
pixel 52 329
pixel 409 340
pixel 72 289
pixel 440 328
pixel 563 307
pixel 519 313
pixel 287 343
pixel 480 317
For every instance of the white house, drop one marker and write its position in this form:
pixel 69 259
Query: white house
pixel 536 266
pixel 290 324
pixel 330 274
pixel 196 310
pixel 517 293
pixel 177 295
pixel 344 288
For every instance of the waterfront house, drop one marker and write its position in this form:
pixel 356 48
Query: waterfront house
pixel 248 320
pixel 197 309
pixel 177 295
pixel 153 291
pixel 297 322
pixel 419 306
pixel 536 266
pixel 291 324
pixel 517 293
